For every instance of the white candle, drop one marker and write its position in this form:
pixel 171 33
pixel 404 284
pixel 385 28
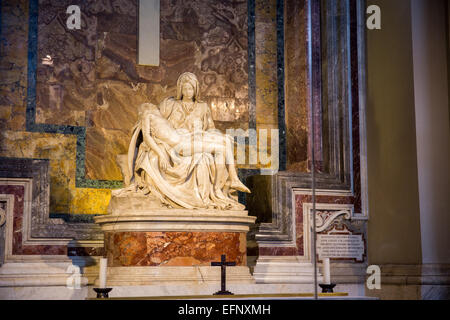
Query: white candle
pixel 103 268
pixel 326 271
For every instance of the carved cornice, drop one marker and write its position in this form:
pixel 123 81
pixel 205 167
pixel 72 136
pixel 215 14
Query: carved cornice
pixel 325 218
pixel 177 220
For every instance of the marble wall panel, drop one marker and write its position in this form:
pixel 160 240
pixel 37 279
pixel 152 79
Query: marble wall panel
pixel 266 64
pixel 13 50
pixel 42 224
pixel 37 145
pixel 296 85
pixel 299 248
pixel 93 71
pixel 18 248
pixel 13 65
pixel 94 80
pixel 89 201
pixel 300 200
pixel 61 150
pixel 278 251
pixel 15 142
pixel 17 235
pixel 355 115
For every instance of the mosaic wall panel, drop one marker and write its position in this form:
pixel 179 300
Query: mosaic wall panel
pixel 77 108
pixel 93 79
pixel 296 84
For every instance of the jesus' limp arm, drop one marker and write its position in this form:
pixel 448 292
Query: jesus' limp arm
pixel 151 143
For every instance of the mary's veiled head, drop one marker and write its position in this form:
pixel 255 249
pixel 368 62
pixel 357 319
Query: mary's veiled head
pixel 188 78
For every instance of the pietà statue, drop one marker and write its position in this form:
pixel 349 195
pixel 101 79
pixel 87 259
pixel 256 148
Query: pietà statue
pixel 176 156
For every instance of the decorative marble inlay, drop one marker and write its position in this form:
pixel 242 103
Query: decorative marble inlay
pixel 325 218
pixel 94 77
pixel 334 206
pixel 36 175
pixel 296 86
pixel 17 247
pixel 266 64
pixel 29 230
pixel 173 248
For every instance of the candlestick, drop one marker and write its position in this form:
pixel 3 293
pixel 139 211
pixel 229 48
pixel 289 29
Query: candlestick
pixel 102 293
pixel 326 271
pixel 103 268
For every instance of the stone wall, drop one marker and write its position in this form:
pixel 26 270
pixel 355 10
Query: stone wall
pixel 78 111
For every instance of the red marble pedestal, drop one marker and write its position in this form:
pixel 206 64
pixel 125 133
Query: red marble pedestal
pixel 174 248
pixel 174 245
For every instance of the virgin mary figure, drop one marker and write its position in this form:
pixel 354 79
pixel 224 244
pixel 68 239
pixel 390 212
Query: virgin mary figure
pixel 177 155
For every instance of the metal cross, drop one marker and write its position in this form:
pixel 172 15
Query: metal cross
pixel 223 264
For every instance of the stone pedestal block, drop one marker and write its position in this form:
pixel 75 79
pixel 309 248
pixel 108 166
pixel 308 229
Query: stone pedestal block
pixel 174 245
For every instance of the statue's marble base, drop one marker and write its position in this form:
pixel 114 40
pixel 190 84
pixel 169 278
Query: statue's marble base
pixel 146 247
pixel 173 248
pixel 187 275
pixel 251 290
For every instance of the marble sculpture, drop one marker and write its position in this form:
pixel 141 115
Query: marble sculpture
pixel 177 158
